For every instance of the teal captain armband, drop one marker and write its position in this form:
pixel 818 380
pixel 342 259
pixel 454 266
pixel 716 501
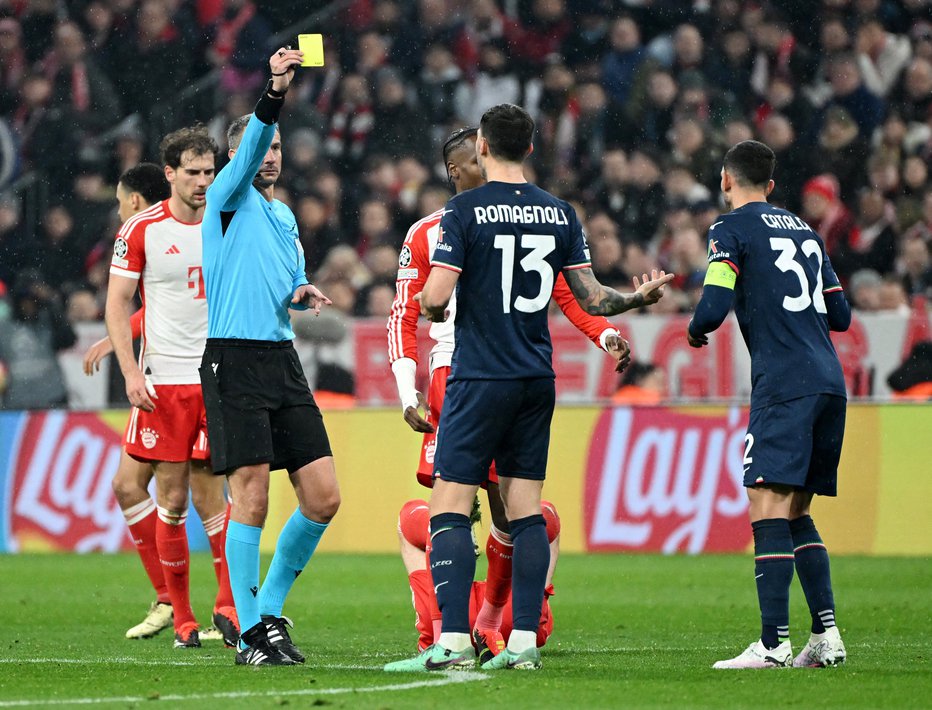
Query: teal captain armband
pixel 720 274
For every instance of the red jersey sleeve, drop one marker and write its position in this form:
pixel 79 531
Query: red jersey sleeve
pixel 135 322
pixel 591 326
pixel 129 249
pixel 413 268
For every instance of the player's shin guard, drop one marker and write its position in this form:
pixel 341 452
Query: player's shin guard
pixel 499 552
pixel 529 575
pixel 773 572
pixel 243 567
pixel 296 544
pixel 812 566
pixel 171 537
pixel 452 566
pixel 140 519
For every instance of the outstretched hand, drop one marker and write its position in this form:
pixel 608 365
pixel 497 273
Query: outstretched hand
pixel 652 288
pixel 310 296
pixel 415 420
pixel 619 349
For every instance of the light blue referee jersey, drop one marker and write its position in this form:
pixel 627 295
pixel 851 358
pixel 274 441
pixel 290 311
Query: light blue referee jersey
pixel 253 259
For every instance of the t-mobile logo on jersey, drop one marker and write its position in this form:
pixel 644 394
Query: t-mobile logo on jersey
pixel 196 281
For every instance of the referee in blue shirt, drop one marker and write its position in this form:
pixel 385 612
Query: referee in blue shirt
pixel 261 414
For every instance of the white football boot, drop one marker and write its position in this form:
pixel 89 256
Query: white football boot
pixel 159 616
pixel 757 656
pixel 822 650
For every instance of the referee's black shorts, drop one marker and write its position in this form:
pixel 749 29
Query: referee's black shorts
pixel 259 406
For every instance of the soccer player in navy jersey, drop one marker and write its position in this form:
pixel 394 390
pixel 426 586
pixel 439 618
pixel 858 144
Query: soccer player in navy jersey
pixel 500 247
pixel 260 411
pixel 774 269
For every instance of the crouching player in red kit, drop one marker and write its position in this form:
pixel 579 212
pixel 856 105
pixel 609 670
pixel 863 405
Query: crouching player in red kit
pixel 413 523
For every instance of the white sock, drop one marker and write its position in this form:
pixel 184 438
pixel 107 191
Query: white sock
pixel 454 642
pixel 522 640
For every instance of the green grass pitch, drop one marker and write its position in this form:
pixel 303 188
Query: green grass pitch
pixel 630 632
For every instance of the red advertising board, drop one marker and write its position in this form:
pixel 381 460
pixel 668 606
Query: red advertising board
pixel 660 479
pixel 62 465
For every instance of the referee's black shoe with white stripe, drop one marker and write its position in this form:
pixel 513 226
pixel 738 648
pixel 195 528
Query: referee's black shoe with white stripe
pixel 259 651
pixel 277 629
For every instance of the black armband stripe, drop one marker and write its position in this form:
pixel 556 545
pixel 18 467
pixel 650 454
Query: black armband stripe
pixel 268 107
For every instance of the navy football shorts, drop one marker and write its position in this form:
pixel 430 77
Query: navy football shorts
pixel 796 443
pixel 506 421
pixel 259 406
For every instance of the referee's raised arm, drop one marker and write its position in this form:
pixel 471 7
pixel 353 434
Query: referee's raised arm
pixel 232 183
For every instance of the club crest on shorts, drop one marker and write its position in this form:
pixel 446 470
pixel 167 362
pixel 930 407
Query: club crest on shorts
pixel 429 451
pixel 149 437
pixel 120 248
pixel 404 258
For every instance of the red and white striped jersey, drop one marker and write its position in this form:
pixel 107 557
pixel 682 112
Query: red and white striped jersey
pixel 413 269
pixel 165 255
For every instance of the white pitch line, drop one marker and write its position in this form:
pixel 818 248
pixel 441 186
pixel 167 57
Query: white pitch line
pixel 149 662
pixel 448 678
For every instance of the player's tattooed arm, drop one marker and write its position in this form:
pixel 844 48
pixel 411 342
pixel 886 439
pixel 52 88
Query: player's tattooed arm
pixel 599 300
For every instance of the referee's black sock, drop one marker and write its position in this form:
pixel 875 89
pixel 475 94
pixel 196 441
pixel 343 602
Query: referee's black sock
pixel 812 566
pixel 773 572
pixel 453 567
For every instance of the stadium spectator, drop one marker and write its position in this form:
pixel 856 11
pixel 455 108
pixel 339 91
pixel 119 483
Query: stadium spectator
pixel 794 167
pixel 864 286
pixel 840 151
pixel 12 62
pixel 826 214
pixel 238 48
pixel 850 93
pixel 916 267
pixel 914 99
pixel 913 378
pixel 641 383
pixel 621 63
pixel 875 245
pixel 493 83
pixel 78 83
pixel 881 55
pixel 155 64
pixel 644 198
pixel 29 341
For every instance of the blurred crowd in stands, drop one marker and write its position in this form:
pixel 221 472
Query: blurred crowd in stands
pixel 635 102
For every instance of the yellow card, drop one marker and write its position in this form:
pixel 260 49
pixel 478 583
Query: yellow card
pixel 313 48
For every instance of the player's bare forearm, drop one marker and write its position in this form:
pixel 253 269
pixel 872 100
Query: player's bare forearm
pixel 117 318
pixel 436 294
pixel 600 300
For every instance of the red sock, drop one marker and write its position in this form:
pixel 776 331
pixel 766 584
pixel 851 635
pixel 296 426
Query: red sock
pixel 140 519
pixel 425 604
pixel 436 618
pixel 172 540
pixel 218 544
pixel 497 581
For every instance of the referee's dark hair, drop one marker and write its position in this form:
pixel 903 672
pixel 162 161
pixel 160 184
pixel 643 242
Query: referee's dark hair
pixel 148 179
pixel 750 163
pixel 508 129
pixel 177 143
